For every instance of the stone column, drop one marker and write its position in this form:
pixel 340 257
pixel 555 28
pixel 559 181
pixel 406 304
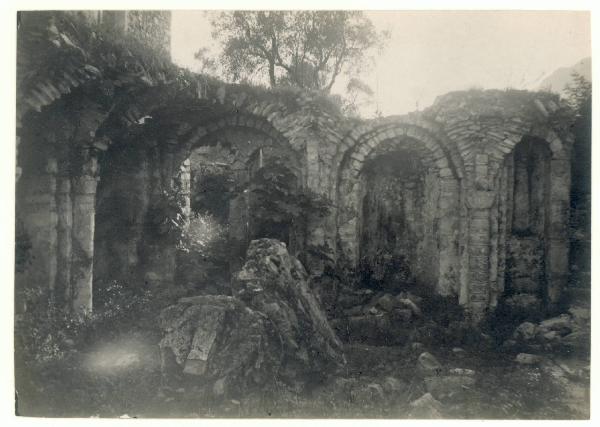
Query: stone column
pixel 37 208
pixel 238 229
pixel 479 203
pixel 64 243
pixel 84 210
pixel 557 240
pixel 449 214
pixel 184 177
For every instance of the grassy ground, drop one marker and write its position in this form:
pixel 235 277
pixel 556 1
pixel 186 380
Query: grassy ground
pixel 122 377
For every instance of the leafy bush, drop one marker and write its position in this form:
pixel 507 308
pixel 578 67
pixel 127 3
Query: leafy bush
pixel 212 191
pixel 46 332
pixel 278 203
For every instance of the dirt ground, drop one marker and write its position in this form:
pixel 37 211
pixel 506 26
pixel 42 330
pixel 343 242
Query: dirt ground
pixel 122 379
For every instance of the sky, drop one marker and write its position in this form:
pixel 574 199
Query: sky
pixel 431 53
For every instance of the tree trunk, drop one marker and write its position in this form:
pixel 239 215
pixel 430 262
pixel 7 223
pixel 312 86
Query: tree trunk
pixel 272 73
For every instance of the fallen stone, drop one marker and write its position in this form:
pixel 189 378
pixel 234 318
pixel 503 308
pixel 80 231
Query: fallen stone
pixel 402 315
pixel 578 341
pixel 405 302
pixel 443 387
pixel 509 344
pixel 387 303
pixel 373 310
pixel 368 394
pixel 528 359
pixel 580 315
pixel 428 364
pixel 462 371
pixel 426 407
pixel 350 299
pixel 526 331
pixel 551 336
pixel 354 311
pixel 408 295
pixel 417 346
pixel 393 385
pixel 459 352
pixel 562 324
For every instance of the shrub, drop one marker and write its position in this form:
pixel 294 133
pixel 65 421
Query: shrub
pixel 46 332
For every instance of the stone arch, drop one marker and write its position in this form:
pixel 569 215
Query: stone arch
pixel 368 142
pixel 551 243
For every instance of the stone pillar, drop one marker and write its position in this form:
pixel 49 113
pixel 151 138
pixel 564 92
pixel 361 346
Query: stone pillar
pixel 557 241
pixel 238 229
pixel 449 228
pixel 84 210
pixel 184 177
pixel 64 243
pixel 479 203
pixel 37 208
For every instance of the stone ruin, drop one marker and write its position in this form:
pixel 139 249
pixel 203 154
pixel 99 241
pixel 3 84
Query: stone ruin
pixel 469 198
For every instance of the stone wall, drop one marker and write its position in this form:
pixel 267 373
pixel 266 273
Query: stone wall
pixel 476 205
pixel 399 221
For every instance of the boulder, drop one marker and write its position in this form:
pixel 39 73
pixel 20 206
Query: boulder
pixel 528 359
pixel 580 315
pixel 271 330
pixel 221 340
pixel 462 371
pixel 417 347
pixel 427 364
pixel 426 407
pixel 401 315
pixel 526 331
pixel 562 324
pixel 352 298
pixel 446 386
pixel 388 303
pixel 459 352
pixel 393 386
pixel 407 303
pixel 368 394
pixel 275 283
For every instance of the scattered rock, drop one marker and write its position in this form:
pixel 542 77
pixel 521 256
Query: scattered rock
pixel 525 331
pixel 462 371
pixel 368 394
pixel 528 359
pixel 350 299
pixel 387 302
pixel 428 364
pixel 373 310
pixel 562 324
pixel 580 315
pixel 393 385
pixel 402 315
pixel 426 406
pixel 459 352
pixel 551 336
pixel 509 344
pixel 407 303
pixel 578 341
pixel 443 387
pixel 417 346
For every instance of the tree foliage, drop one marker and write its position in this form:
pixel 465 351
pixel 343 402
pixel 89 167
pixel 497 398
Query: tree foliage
pixel 308 49
pixel 277 203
